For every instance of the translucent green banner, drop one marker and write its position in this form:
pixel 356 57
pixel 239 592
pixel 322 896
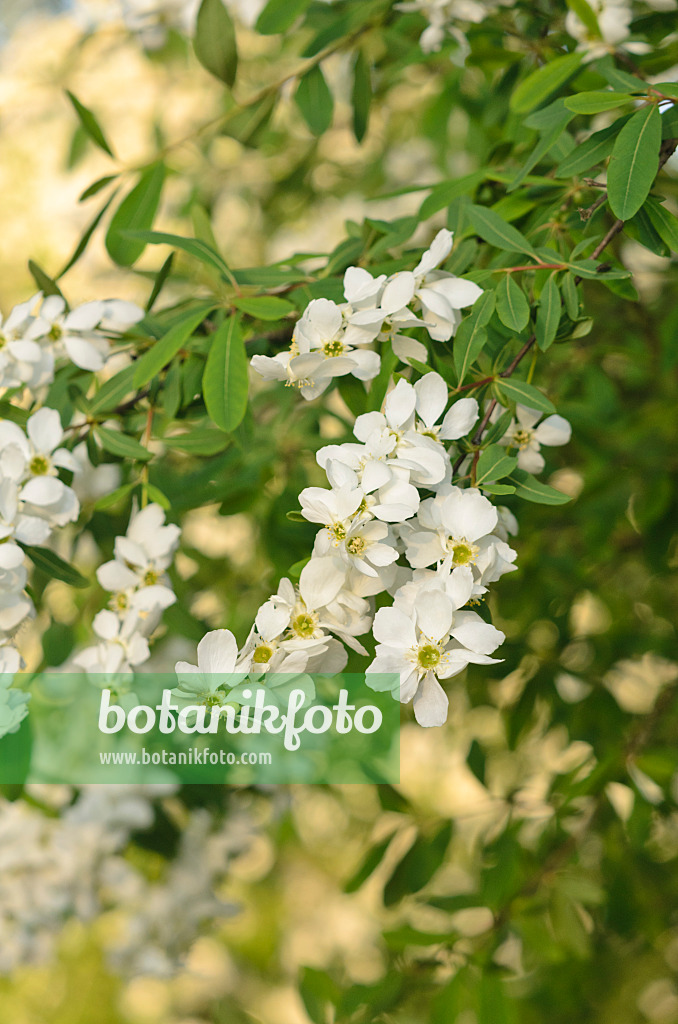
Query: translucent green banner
pixel 151 728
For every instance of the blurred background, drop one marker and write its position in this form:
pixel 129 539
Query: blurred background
pixel 590 616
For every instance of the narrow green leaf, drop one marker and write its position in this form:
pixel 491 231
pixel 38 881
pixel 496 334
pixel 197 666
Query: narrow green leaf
pixel 664 222
pixel 193 246
pixel 225 381
pixel 164 350
pixel 112 392
pixel 107 501
pixel 571 295
pixel 545 144
pixel 97 186
pixel 444 193
pixel 315 102
pixel 597 101
pixel 372 860
pixel 494 229
pixel 54 566
pixel 543 82
pixel 87 234
pixel 548 315
pixel 361 96
pixel 202 441
pixel 493 464
pixel 524 394
pixel 120 444
pixel 620 80
pixel 634 162
pixel 279 15
pixel 135 213
pixel 90 124
pixel 214 42
pixel 160 279
pixel 531 489
pixel 498 489
pixel 44 282
pixel 156 495
pixel 471 335
pixel 247 125
pixel 513 308
pixel 591 152
pixel 264 307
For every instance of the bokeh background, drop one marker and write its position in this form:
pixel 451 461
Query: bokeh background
pixel 590 616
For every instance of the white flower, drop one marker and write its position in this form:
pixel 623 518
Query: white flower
pixel 613 18
pixel 22 361
pixel 367 545
pixel 201 684
pixel 136 576
pixel 73 334
pixel 424 638
pixel 13 702
pixel 524 434
pixel 122 646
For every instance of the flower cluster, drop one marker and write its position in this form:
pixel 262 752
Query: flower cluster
pixel 332 340
pixel 390 522
pixel 140 591
pixel 34 501
pixel 42 330
pixel 149 20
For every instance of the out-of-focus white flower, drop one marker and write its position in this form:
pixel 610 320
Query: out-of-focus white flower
pixel 527 434
pixel 136 576
pixel 613 18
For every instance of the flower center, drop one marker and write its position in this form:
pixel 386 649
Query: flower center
pixel 56 332
pixel 212 700
pixel 462 551
pixel 338 531
pixel 3 340
pixel 262 655
pixel 356 546
pixel 428 656
pixel 334 348
pixel 522 438
pixel 304 625
pixel 151 577
pixel 39 465
pixel 120 601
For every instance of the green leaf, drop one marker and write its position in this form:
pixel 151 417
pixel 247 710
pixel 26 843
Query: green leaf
pixel 442 195
pixel 136 213
pixel 202 441
pixel 371 862
pixel 54 566
pixel 494 229
pixel 319 994
pixel 120 444
pixel 634 163
pixel 44 282
pixel 193 246
pixel 214 42
pixel 513 309
pixel 531 489
pixel 87 234
pixel 591 152
pixel 471 335
pixel 97 186
pixel 264 307
pixel 525 394
pixel 586 15
pixel 620 80
pixel 597 101
pixel 664 223
pixel 548 315
pixel 247 124
pixel 315 102
pixel 113 391
pixel 361 96
pixel 90 124
pixel 279 15
pixel 164 350
pixel 225 381
pixel 418 866
pixel 107 501
pixel 498 489
pixel 548 140
pixel 160 280
pixel 156 495
pixel 493 464
pixel 543 82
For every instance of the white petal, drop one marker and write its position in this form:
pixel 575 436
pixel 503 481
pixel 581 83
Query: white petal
pixel 83 353
pixel 430 702
pixel 468 514
pixel 531 461
pixel 440 249
pixel 478 636
pixel 398 292
pixel 85 317
pixel 217 652
pixel 325 318
pixel 527 417
pixel 399 405
pixel 459 419
pixel 271 620
pixel 431 400
pixel 408 348
pixel 44 430
pixel 367 364
pixel 554 430
pixel 394 629
pixel 42 490
pixel 320 581
pixel 457 292
pixel 114 576
pixel 434 614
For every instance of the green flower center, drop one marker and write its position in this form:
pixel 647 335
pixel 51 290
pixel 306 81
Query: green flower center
pixel 429 656
pixel 262 655
pixel 462 551
pixel 356 546
pixel 3 340
pixel 334 348
pixel 55 333
pixel 212 700
pixel 304 625
pixel 121 602
pixel 522 438
pixel 151 577
pixel 39 465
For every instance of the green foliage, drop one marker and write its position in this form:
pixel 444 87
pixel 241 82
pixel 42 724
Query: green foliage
pixel 136 213
pixel 214 41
